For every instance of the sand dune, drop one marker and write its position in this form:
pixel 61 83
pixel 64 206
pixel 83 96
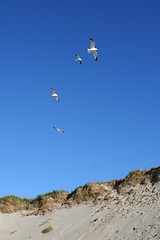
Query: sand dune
pixel 132 215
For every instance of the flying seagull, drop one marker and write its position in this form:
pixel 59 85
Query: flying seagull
pixel 55 95
pixel 78 58
pixel 93 49
pixel 59 130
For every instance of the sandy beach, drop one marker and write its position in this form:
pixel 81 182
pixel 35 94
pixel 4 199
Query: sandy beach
pixel 134 216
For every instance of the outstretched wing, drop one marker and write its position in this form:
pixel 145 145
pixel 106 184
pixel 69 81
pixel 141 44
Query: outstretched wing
pixel 53 92
pixel 95 54
pixel 57 98
pixel 92 43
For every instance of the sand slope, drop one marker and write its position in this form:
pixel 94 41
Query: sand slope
pixel 132 216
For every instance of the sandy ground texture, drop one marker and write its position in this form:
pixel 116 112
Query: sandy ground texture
pixel 135 216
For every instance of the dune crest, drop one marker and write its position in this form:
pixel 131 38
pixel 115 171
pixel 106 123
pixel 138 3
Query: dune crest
pixel 127 208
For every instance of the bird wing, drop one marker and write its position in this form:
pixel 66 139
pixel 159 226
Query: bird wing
pixel 92 43
pixel 58 98
pixel 53 91
pixel 95 54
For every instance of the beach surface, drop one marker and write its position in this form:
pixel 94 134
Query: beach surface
pixel 131 216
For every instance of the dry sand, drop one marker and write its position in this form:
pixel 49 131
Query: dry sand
pixel 135 216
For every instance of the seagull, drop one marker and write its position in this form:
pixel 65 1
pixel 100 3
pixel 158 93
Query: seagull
pixel 93 49
pixel 55 95
pixel 59 130
pixel 78 58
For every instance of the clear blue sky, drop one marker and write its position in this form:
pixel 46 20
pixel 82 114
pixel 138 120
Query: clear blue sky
pixel 110 109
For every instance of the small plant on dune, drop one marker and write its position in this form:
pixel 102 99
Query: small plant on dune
pixel 15 201
pixel 155 175
pixel 134 172
pixel 52 194
pixel 48 229
pixel 13 232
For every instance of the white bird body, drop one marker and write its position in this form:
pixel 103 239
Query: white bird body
pixel 90 50
pixel 78 58
pixel 55 95
pixel 59 130
pixel 93 49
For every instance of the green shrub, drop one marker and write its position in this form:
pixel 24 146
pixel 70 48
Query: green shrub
pixel 48 229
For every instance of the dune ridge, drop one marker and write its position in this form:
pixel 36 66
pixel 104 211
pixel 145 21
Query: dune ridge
pixel 126 208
